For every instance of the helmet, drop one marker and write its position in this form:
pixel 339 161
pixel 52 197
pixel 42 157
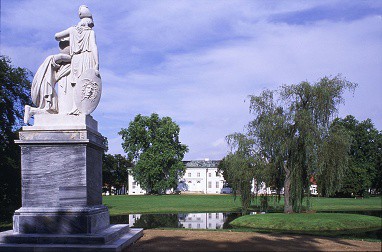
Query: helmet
pixel 84 12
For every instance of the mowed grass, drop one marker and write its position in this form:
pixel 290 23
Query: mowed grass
pixel 306 223
pixel 119 205
pixel 333 204
pixel 346 204
pixel 124 204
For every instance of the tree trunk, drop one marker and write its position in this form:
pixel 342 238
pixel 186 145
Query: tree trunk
pixel 287 204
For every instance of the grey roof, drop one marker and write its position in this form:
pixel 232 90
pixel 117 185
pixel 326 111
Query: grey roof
pixel 202 163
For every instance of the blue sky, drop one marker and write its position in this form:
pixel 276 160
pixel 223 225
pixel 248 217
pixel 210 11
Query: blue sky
pixel 197 61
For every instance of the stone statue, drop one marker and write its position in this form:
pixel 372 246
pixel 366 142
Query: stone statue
pixel 78 60
pixel 44 96
pixel 61 156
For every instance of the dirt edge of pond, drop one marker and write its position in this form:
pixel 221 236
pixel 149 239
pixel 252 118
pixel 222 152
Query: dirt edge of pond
pixel 190 240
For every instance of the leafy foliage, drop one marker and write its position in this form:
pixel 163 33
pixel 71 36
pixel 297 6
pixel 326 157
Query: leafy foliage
pixel 365 167
pixel 115 171
pixel 293 138
pixel 152 143
pixel 149 221
pixel 238 167
pixel 14 94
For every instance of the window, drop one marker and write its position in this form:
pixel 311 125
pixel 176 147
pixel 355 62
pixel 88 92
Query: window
pixel 133 186
pixel 209 225
pixel 198 174
pixel 134 183
pixel 210 216
pixel 217 184
pixel 189 225
pixel 209 184
pixel 189 174
pixel 209 174
pixel 198 225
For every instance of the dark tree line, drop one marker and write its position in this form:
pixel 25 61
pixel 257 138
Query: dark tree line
pixel 115 170
pixel 364 174
pixel 15 83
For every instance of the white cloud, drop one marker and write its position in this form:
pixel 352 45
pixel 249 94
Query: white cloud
pixel 197 61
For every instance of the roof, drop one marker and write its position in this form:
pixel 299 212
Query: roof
pixel 202 163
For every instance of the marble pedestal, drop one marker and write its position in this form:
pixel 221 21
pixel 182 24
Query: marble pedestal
pixel 61 170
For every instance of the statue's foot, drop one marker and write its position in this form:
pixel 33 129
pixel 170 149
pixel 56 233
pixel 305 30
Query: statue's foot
pixel 27 114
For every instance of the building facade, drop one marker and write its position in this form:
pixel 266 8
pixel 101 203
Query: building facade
pixel 192 220
pixel 201 176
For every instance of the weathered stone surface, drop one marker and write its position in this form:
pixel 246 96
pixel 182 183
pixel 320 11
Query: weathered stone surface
pixel 114 238
pixel 39 220
pixel 61 182
pixel 64 172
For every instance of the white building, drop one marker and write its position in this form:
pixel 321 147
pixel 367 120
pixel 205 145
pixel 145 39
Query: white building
pixel 202 220
pixel 192 220
pixel 264 190
pixel 201 176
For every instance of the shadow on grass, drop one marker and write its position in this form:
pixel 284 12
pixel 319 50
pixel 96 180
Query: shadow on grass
pixel 225 241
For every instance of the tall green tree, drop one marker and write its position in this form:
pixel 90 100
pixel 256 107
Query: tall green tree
pixel 292 135
pixel 115 171
pixel 152 143
pixel 239 167
pixel 365 171
pixel 14 94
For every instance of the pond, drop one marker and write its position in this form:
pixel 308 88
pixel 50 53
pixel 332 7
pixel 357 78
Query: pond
pixel 209 221
pixel 181 220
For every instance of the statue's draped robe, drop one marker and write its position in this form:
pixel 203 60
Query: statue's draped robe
pixel 43 94
pixel 83 50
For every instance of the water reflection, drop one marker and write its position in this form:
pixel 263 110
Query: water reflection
pixel 212 221
pixel 182 220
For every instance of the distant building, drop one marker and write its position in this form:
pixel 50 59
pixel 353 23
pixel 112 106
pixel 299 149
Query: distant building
pixel 202 220
pixel 201 176
pixel 192 220
pixel 262 189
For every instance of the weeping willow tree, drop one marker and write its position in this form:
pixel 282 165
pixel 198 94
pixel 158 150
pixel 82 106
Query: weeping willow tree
pixel 238 167
pixel 292 134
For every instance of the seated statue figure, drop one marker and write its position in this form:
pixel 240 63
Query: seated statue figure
pixel 79 55
pixel 83 47
pixel 54 69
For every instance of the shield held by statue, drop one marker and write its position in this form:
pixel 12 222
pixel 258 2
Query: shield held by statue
pixel 87 92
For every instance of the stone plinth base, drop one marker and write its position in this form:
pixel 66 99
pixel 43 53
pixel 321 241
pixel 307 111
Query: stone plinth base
pixel 61 171
pixel 113 238
pixel 86 220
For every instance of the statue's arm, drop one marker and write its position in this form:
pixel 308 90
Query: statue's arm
pixel 61 58
pixel 62 35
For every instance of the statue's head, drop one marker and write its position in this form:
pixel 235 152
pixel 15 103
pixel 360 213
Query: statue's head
pixel 84 12
pixel 85 16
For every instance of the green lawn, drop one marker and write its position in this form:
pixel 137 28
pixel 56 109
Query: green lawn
pixel 346 204
pixel 171 204
pixel 317 223
pixel 221 203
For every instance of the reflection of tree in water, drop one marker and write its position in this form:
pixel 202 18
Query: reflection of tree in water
pixel 148 221
pixel 228 217
pixel 115 219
